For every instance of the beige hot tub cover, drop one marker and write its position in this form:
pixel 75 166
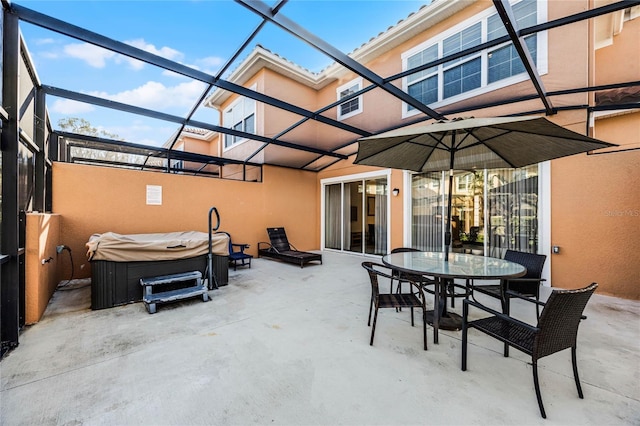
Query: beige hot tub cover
pixel 149 247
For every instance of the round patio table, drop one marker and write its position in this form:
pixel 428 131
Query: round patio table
pixel 459 265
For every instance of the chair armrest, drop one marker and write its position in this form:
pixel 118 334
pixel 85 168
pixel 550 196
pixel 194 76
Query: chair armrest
pixel 384 274
pixel 525 280
pixel 241 246
pixel 525 298
pixel 264 246
pixel 499 315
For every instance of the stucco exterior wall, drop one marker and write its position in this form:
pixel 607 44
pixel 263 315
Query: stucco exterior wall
pixel 596 215
pixel 614 63
pixel 93 199
pixel 41 279
pixel 584 188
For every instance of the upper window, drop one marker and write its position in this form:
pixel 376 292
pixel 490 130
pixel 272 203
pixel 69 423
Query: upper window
pixel 476 73
pixel 352 106
pixel 241 115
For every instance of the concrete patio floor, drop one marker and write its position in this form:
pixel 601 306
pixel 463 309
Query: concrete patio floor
pixel 284 345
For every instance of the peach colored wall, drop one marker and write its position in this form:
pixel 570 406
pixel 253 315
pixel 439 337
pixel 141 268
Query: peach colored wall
pixel 93 199
pixel 613 63
pixel 596 214
pixel 595 207
pixel 243 150
pixel 566 70
pixel 41 280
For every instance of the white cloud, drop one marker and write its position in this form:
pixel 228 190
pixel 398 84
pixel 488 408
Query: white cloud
pixel 157 96
pixel 165 52
pixel 210 64
pixel 98 57
pixel 93 55
pixel 69 107
pixel 44 41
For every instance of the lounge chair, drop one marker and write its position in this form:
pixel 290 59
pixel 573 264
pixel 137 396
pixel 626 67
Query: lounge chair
pixel 279 248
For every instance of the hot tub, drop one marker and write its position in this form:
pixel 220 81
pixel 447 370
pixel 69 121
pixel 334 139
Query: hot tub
pixel 118 261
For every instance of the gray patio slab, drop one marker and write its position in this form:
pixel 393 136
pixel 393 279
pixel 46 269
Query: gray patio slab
pixel 285 345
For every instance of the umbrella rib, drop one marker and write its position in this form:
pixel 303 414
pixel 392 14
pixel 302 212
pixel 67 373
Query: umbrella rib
pixel 433 147
pixel 483 142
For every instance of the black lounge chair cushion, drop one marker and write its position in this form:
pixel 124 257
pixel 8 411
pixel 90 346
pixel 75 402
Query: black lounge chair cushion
pixel 280 248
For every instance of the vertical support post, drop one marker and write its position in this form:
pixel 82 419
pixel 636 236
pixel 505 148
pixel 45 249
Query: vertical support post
pixel 10 282
pixel 41 155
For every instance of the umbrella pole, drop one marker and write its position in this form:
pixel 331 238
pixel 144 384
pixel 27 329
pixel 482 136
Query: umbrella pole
pixel 447 231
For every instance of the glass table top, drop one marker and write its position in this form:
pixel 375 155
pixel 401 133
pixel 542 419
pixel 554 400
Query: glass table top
pixel 459 265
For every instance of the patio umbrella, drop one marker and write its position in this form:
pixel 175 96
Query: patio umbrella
pixel 471 144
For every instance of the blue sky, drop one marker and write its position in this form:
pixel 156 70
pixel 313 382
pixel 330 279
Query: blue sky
pixel 202 34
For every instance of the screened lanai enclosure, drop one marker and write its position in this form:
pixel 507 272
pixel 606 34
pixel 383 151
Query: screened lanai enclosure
pixel 496 206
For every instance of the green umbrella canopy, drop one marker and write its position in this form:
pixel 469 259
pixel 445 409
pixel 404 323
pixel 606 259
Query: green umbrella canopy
pixel 473 143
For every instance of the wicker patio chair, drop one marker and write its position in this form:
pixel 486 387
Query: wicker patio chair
pixel 527 285
pixel 427 283
pixel 421 280
pixel 414 298
pixel 557 329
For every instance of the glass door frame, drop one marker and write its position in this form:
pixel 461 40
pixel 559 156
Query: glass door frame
pixel 349 179
pixel 544 214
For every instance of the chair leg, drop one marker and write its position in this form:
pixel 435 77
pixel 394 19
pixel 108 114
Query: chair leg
pixel 575 371
pixel 424 328
pixel 398 290
pixel 370 310
pixel 373 328
pixel 412 323
pixel 465 312
pixel 536 384
pixel 436 310
pixel 506 308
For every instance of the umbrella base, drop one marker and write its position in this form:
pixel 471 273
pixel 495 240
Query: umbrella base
pixel 449 321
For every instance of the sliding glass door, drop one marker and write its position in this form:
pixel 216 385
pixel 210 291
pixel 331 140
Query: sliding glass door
pixel 491 211
pixel 355 216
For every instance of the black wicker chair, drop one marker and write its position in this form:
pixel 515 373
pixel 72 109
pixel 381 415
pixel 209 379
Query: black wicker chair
pixel 557 330
pixel 414 298
pixel 527 285
pixel 421 280
pixel 428 284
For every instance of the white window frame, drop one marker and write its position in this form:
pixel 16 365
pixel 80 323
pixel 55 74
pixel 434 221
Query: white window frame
pixel 358 86
pixel 237 103
pixel 386 173
pixel 485 87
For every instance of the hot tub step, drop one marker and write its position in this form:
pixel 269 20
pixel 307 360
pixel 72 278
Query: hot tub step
pixel 170 288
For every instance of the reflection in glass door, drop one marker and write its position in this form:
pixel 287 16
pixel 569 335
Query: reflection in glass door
pixel 333 216
pixel 353 229
pixel 356 216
